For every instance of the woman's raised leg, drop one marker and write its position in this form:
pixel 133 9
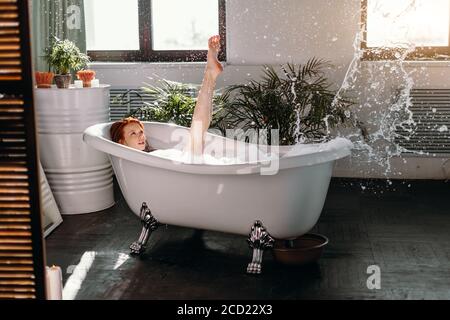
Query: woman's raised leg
pixel 203 108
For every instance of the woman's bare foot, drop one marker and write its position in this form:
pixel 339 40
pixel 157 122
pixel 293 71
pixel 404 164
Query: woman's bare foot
pixel 213 66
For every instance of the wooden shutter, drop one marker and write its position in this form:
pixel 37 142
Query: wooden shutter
pixel 21 243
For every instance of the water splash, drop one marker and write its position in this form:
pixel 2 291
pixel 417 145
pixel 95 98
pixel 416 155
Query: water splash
pixel 298 134
pixel 383 89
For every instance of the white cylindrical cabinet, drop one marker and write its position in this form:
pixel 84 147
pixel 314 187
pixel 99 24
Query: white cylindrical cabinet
pixel 80 177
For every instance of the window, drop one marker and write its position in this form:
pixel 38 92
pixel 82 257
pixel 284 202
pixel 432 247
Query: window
pixel 153 30
pixel 418 28
pixel 104 33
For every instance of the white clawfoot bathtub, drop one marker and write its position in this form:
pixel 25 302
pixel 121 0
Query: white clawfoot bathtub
pixel 285 194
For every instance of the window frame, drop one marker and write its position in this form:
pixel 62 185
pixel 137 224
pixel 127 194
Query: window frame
pixel 426 53
pixel 146 52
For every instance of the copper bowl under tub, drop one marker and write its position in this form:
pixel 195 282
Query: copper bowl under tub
pixel 300 251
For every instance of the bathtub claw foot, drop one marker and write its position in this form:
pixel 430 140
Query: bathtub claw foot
pixel 149 224
pixel 136 248
pixel 259 240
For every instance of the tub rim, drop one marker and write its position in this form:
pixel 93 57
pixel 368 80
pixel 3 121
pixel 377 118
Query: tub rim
pixel 290 156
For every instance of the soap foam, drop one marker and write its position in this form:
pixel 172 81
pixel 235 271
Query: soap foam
pixel 180 156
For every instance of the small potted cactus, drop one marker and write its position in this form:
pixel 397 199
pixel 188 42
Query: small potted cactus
pixel 44 79
pixel 64 56
pixel 86 76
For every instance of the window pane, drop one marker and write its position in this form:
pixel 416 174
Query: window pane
pixel 184 25
pixel 402 23
pixel 112 24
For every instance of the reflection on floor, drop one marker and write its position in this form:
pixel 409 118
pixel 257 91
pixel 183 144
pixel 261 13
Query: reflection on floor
pixel 402 228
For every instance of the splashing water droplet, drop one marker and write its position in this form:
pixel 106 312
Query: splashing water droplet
pixel 372 83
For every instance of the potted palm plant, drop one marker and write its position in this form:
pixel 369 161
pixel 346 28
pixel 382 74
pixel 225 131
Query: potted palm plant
pixel 64 56
pixel 297 101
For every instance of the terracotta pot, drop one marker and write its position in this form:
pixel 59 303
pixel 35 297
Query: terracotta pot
pixel 300 251
pixel 86 76
pixel 44 79
pixel 63 80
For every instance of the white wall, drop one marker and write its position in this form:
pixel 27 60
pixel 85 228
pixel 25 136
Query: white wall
pixel 279 31
pixel 262 32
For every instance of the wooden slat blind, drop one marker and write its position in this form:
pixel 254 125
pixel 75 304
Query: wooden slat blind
pixel 10 54
pixel 21 245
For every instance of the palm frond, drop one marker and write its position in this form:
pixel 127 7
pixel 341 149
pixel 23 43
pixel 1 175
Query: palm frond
pixel 275 100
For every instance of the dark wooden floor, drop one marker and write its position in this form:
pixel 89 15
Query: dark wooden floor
pixel 404 228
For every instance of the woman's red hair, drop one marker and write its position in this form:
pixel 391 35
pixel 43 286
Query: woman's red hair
pixel 116 130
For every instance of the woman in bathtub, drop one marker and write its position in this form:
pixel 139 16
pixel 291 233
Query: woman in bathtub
pixel 130 131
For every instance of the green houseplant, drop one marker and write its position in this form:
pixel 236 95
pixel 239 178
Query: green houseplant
pixel 168 101
pixel 299 103
pixel 64 56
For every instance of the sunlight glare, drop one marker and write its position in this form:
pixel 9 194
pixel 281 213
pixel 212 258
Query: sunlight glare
pixel 183 25
pixel 79 273
pixel 112 24
pixel 402 23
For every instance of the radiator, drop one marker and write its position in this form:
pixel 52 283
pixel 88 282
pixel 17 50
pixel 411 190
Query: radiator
pixel 431 113
pixel 134 99
pixel 430 109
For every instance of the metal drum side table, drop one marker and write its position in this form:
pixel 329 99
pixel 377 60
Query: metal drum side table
pixel 80 177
